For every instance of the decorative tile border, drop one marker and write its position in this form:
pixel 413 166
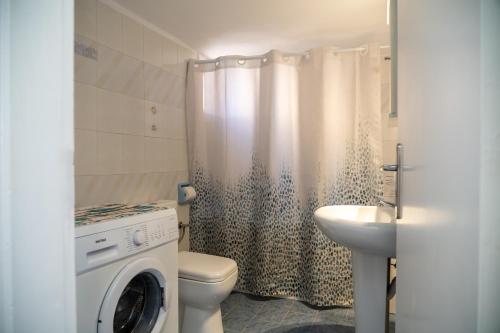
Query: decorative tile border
pixel 85 50
pixel 96 214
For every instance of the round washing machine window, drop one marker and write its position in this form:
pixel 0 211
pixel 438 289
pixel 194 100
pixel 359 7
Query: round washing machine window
pixel 139 305
pixel 137 300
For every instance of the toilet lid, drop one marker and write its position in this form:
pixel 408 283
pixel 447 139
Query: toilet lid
pixel 204 267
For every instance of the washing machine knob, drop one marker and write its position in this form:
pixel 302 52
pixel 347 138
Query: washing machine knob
pixel 139 237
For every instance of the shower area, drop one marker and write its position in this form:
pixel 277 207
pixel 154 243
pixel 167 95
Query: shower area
pixel 271 138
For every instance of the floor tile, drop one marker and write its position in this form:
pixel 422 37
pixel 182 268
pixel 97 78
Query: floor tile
pixel 313 328
pixel 341 316
pixel 301 307
pixel 236 321
pixel 294 318
pixel 243 313
pixel 262 326
pixel 268 314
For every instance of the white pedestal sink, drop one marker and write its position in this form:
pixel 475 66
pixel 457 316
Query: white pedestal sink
pixel 370 232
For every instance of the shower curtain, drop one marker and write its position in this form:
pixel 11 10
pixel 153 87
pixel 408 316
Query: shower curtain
pixel 271 139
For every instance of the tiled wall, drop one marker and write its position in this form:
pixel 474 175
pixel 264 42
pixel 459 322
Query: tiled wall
pixel 130 131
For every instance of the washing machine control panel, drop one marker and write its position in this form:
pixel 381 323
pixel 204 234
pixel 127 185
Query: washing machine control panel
pixel 130 237
pixel 148 234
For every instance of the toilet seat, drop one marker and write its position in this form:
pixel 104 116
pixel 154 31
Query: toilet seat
pixel 205 268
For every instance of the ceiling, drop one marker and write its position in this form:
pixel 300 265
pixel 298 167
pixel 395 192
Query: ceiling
pixel 223 27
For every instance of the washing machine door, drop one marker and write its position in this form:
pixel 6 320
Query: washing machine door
pixel 137 300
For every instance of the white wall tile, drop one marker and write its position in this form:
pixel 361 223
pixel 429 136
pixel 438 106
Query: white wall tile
pixel 109 112
pixel 176 123
pixel 181 163
pixel 389 151
pixel 118 157
pixel 85 106
pixel 152 81
pixel 392 129
pixel 102 189
pixel 109 189
pixel 127 188
pixel 156 150
pixel 159 185
pixel 84 186
pixel 158 119
pixel 150 111
pixel 133 154
pixel 391 133
pixel 134 190
pixel 120 73
pixel 132 83
pixel 132 38
pixel 180 69
pixel 160 85
pixel 177 155
pixel 85 68
pixel 169 185
pixel 185 54
pixel 177 97
pixel 85 152
pixel 161 121
pixel 109 69
pixel 171 155
pixel 109 153
pixel 109 27
pixel 169 54
pixel 86 18
pixel 386 99
pixel 133 114
pixel 153 45
pixel 143 190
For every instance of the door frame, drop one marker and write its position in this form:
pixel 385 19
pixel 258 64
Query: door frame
pixel 37 263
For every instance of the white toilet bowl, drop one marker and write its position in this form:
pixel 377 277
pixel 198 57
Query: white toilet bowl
pixel 204 282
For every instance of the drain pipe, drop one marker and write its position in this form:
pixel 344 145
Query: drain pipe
pixel 391 290
pixel 182 230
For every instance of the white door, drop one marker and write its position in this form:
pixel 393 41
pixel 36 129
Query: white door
pixel 37 263
pixel 443 121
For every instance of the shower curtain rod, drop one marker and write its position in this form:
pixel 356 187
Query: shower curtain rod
pixel 262 56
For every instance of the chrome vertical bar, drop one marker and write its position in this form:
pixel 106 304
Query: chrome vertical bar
pixel 399 174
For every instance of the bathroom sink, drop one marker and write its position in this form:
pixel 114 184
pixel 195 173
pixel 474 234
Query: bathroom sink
pixel 369 229
pixel 370 232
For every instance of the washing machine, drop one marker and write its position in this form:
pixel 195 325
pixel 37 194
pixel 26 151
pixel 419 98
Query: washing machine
pixel 126 274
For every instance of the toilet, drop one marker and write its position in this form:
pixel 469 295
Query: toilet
pixel 204 282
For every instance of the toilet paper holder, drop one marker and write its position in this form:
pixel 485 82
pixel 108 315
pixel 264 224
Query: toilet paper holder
pixel 182 199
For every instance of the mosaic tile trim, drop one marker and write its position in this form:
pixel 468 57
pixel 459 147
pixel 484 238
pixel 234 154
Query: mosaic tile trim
pixel 96 214
pixel 85 50
pixel 267 226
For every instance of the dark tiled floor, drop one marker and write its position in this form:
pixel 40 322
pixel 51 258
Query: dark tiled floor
pixel 250 314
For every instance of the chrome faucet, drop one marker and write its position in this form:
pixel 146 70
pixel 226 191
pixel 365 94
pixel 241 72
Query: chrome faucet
pixel 395 168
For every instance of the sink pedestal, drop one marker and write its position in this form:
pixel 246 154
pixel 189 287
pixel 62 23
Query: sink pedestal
pixel 370 232
pixel 370 292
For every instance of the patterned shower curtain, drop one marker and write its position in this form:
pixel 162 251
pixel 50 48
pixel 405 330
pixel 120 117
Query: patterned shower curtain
pixel 271 139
